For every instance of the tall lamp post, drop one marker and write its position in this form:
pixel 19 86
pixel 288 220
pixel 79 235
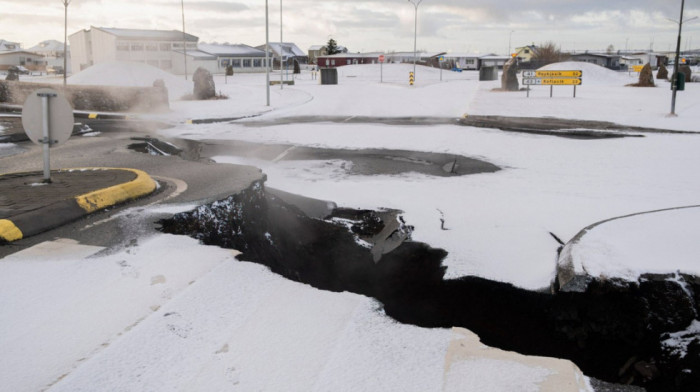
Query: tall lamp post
pixel 281 51
pixel 184 37
pixel 510 40
pixel 267 52
pixel 674 79
pixel 415 33
pixel 65 41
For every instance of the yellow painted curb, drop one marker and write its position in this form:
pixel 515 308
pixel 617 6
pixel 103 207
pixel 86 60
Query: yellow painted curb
pixel 142 185
pixel 8 231
pixel 92 115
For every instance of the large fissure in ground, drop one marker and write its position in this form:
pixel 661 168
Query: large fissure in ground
pixel 615 331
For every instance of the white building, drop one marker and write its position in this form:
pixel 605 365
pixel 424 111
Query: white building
pixel 242 58
pixel 287 50
pixel 160 48
pixel 53 53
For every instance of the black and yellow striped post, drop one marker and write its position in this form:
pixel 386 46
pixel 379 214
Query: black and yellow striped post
pixel 411 78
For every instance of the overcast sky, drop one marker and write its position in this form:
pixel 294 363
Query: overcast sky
pixel 479 26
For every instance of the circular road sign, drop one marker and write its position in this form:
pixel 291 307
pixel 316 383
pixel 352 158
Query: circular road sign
pixel 60 117
pixel 381 58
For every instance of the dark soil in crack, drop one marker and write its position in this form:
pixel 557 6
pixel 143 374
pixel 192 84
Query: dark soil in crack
pixel 613 331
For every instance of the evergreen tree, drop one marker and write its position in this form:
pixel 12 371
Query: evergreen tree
pixel 332 47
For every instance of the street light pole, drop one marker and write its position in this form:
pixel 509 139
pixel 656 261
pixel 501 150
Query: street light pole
pixel 674 78
pixel 65 42
pixel 267 52
pixel 510 37
pixel 415 33
pixel 281 51
pixel 184 37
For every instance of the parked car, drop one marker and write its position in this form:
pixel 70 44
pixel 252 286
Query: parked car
pixel 19 69
pixel 56 70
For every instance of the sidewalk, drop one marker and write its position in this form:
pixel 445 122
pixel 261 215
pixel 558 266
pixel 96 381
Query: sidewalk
pixel 28 206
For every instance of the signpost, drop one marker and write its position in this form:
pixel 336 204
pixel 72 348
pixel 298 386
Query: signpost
pixel 381 68
pixel 552 78
pixel 47 118
pixel 441 59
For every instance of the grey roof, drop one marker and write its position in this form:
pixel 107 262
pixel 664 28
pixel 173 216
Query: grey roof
pixel 290 49
pixel 48 46
pixel 8 52
pixel 151 35
pixel 7 45
pixel 197 54
pixel 239 50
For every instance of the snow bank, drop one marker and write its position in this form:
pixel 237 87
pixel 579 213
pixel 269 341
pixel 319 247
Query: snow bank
pixel 127 74
pixel 593 74
pixel 660 242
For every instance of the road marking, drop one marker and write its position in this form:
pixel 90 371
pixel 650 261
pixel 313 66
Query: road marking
pixel 283 154
pixel 9 232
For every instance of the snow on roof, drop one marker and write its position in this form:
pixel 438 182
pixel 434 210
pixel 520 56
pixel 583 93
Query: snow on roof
pixel 351 55
pixel 197 54
pixel 7 45
pixel 463 55
pixel 47 46
pixel 238 50
pixel 156 35
pixel 317 47
pixel 9 52
pixel 290 49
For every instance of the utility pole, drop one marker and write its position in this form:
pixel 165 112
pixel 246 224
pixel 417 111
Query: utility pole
pixel 65 42
pixel 674 79
pixel 184 37
pixel 281 51
pixel 267 52
pixel 510 38
pixel 415 33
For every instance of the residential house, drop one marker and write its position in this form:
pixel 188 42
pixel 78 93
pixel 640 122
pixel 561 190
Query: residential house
pixel 12 54
pixel 164 49
pixel 242 58
pixel 53 52
pixel 7 46
pixel 524 54
pixel 464 61
pixel 317 51
pixel 287 52
pixel 337 60
pixel 610 61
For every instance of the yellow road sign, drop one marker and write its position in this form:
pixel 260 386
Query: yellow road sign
pixel 553 74
pixel 552 82
pixel 637 68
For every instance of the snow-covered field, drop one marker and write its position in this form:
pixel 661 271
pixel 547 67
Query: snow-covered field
pixel 170 314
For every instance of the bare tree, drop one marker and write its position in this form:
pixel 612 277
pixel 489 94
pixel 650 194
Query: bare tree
pixel 548 53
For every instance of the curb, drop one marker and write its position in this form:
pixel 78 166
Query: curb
pixel 67 210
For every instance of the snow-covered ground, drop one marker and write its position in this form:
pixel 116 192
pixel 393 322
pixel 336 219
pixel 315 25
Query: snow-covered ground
pixel 499 223
pixel 171 314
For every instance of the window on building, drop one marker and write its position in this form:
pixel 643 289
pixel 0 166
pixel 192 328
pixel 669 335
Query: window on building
pixel 349 61
pixel 165 46
pixel 166 64
pixel 257 63
pixel 332 62
pixel 236 63
pixel 136 47
pixel 123 46
pixel 225 63
pixel 22 61
pixel 152 47
pixel 246 63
